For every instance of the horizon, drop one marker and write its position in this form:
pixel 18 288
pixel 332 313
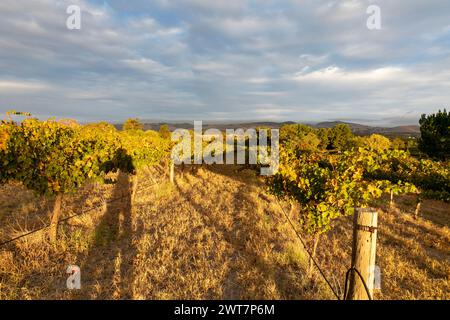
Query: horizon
pixel 224 122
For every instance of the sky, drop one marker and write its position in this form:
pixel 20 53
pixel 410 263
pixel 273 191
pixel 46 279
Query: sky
pixel 230 60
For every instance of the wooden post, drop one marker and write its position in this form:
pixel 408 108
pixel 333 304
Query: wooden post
pixel 172 171
pixel 416 213
pixel 363 254
pixel 55 219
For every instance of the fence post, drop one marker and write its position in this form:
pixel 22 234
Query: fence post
pixel 55 219
pixel 172 171
pixel 363 254
pixel 416 212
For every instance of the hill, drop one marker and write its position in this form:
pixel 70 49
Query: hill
pixel 359 129
pixel 363 130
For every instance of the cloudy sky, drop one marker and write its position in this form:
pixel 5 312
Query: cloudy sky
pixel 300 60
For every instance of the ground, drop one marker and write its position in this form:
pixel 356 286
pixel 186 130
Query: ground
pixel 215 234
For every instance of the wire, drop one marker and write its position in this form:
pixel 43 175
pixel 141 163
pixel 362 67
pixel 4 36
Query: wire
pixel 309 254
pixel 362 280
pixel 70 217
pixel 282 209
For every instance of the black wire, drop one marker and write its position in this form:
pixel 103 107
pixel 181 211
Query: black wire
pixel 68 218
pixel 362 280
pixel 62 220
pixel 309 254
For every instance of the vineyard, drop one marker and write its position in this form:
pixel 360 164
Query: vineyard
pixel 100 198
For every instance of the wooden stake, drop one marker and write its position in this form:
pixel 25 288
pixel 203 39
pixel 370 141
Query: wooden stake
pixel 416 213
pixel 55 219
pixel 363 254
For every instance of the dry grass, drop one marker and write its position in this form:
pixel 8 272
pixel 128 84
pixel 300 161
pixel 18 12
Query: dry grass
pixel 215 234
pixel 413 254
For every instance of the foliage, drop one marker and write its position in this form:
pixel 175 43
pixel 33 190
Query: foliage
pixel 377 142
pixel 328 186
pixel 133 124
pixel 431 177
pixel 145 148
pixel 52 157
pixel 164 131
pixel 299 138
pixel 435 135
pixel 398 144
pixel 324 136
pixel 341 137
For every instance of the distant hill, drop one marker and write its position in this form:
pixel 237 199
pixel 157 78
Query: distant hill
pixel 221 126
pixel 359 129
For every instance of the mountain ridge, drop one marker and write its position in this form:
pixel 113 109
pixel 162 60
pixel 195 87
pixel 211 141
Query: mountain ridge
pixel 358 129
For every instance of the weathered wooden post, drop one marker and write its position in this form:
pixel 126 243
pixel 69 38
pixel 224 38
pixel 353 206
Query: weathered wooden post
pixel 55 219
pixel 363 254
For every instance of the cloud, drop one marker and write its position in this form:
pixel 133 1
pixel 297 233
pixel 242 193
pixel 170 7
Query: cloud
pixel 334 74
pixel 21 87
pixel 236 59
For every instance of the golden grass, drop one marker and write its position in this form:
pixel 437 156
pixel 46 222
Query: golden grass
pixel 214 234
pixel 413 254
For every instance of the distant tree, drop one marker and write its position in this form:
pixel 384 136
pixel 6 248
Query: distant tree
pixel 164 131
pixel 324 136
pixel 102 125
pixel 132 124
pixel 299 138
pixel 341 137
pixel 309 143
pixel 377 142
pixel 398 144
pixel 435 134
pixel 293 131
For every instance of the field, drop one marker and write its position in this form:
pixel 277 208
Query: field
pixel 215 234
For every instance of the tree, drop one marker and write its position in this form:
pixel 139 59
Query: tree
pixel 341 137
pixel 377 142
pixel 308 143
pixel 164 131
pixel 435 134
pixel 299 138
pixel 133 124
pixel 324 136
pixel 293 131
